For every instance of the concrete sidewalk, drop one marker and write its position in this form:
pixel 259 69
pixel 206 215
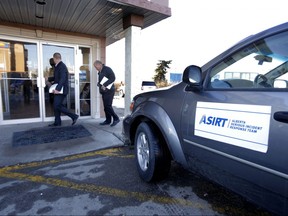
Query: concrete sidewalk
pixel 102 137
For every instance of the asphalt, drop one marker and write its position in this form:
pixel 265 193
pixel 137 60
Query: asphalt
pixel 102 137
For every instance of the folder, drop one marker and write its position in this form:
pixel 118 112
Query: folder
pixel 104 79
pixel 53 87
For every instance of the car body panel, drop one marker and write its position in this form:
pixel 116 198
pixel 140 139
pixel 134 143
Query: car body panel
pixel 254 167
pixel 152 108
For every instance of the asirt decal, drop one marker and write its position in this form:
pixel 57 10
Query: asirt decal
pixel 241 125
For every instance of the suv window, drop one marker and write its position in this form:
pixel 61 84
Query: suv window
pixel 259 65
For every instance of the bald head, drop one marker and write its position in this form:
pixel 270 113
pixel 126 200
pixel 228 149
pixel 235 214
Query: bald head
pixel 57 57
pixel 98 65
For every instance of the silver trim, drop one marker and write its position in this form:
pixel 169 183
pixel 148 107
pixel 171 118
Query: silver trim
pixel 274 172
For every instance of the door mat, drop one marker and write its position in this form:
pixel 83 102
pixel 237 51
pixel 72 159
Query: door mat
pixel 49 134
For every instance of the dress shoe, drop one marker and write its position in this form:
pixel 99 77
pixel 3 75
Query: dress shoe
pixel 115 122
pixel 104 123
pixel 54 125
pixel 75 120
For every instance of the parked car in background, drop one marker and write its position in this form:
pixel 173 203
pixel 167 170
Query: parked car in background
pixel 227 120
pixel 148 86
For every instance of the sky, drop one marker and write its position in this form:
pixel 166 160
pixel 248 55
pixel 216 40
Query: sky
pixel 197 31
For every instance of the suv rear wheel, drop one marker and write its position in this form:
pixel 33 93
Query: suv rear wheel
pixel 152 157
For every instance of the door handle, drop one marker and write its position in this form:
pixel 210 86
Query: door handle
pixel 38 82
pixel 41 82
pixel 281 116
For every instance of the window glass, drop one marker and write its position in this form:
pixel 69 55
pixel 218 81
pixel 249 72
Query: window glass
pixel 260 65
pixel 18 80
pixel 84 81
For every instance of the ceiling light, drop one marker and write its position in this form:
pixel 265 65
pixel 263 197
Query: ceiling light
pixel 39 8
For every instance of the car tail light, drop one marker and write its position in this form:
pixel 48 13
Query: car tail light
pixel 132 106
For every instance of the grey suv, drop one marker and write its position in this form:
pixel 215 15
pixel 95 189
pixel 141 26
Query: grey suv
pixel 227 120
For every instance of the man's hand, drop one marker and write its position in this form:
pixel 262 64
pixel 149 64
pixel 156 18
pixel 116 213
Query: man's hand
pixel 103 88
pixel 56 92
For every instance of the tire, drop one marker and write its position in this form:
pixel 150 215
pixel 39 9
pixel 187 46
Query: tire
pixel 152 157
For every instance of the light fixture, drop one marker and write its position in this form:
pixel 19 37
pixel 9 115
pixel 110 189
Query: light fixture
pixel 118 2
pixel 39 8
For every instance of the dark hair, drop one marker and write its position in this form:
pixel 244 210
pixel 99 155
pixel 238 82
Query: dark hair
pixel 51 61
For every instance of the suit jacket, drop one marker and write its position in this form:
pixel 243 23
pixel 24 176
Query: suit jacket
pixel 109 74
pixel 61 77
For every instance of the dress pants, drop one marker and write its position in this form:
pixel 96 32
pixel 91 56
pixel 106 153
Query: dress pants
pixel 108 109
pixel 60 108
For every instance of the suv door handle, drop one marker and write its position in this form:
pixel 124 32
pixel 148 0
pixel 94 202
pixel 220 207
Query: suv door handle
pixel 281 116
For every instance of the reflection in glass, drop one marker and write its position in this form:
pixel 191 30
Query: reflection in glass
pixel 18 79
pixel 84 80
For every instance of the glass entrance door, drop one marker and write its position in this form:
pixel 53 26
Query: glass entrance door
pixel 18 80
pixel 24 94
pixel 68 58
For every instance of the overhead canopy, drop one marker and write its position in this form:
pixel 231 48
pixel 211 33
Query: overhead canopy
pixel 102 18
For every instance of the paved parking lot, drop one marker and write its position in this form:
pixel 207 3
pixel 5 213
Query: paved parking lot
pixel 96 175
pixel 105 182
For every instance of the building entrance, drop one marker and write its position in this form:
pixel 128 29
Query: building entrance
pixel 24 69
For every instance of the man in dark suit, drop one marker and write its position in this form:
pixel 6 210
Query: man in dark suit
pixel 106 78
pixel 61 78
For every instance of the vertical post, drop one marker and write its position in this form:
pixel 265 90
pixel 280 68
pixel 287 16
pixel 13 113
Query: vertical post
pixel 132 65
pixel 132 25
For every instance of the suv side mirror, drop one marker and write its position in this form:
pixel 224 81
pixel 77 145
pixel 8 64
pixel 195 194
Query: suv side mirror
pixel 192 76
